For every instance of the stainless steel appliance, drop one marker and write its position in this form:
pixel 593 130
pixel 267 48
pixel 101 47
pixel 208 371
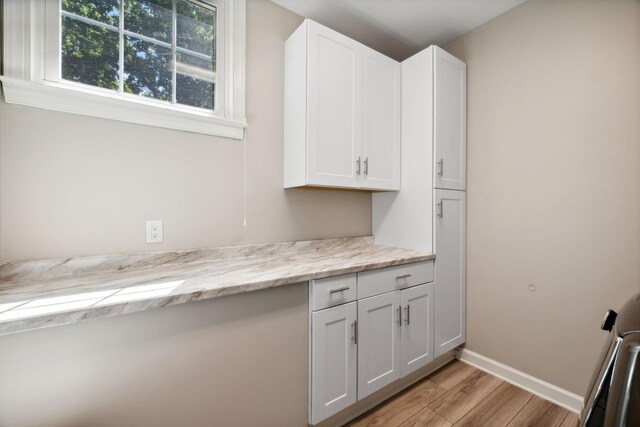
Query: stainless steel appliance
pixel 614 397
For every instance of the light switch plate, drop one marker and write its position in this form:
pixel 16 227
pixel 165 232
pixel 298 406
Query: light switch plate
pixel 155 233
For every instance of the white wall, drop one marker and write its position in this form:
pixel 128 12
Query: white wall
pixel 74 185
pixel 554 181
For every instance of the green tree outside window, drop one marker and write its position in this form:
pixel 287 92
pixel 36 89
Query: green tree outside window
pixel 156 63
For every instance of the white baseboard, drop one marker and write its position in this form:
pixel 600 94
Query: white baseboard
pixel 557 395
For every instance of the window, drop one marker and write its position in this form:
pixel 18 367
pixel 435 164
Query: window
pixel 161 49
pixel 167 63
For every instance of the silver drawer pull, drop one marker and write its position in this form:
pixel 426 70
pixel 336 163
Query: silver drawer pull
pixel 408 314
pixel 334 291
pixel 399 312
pixel 403 276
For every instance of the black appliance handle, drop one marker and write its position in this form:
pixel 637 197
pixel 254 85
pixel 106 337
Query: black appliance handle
pixel 609 320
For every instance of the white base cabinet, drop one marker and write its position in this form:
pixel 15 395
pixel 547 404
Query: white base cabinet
pixel 379 344
pixel 395 336
pixel 333 372
pixel 418 317
pixel 369 340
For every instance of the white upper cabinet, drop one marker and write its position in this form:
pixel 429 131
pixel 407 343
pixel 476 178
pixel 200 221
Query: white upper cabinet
pixel 381 122
pixel 342 113
pixel 333 90
pixel 450 121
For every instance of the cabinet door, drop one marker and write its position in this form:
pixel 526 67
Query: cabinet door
pixel 333 108
pixel 333 360
pixel 378 342
pixel 450 121
pixel 381 122
pixel 417 330
pixel 450 269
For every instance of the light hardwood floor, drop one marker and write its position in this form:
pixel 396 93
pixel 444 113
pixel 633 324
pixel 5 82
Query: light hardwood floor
pixel 461 395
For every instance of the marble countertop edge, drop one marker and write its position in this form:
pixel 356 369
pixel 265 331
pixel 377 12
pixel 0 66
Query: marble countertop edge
pixel 357 255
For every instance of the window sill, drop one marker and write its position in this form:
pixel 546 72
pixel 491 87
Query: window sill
pixel 95 103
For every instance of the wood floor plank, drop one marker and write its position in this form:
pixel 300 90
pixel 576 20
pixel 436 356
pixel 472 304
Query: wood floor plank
pixel 426 417
pixel 396 410
pixel 452 374
pixel 571 420
pixel 468 393
pixel 498 408
pixel 474 398
pixel 539 413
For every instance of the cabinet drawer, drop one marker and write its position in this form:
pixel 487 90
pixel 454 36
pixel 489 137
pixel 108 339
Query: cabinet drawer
pixel 388 279
pixel 332 291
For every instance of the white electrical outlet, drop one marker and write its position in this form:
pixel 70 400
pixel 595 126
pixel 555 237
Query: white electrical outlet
pixel 154 232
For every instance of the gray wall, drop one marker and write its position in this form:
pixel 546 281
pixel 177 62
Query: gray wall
pixel 554 181
pixel 240 360
pixel 74 185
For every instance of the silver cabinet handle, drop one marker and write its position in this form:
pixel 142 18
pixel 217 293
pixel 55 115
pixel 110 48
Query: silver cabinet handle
pixel 403 276
pixel 408 314
pixel 440 210
pixel 342 289
pixel 440 167
pixel 399 311
pixel 358 170
pixel 354 337
pixel 366 166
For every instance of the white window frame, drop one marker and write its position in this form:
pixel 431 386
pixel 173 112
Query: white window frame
pixel 32 75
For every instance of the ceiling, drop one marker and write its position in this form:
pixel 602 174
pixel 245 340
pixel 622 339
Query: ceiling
pixel 400 28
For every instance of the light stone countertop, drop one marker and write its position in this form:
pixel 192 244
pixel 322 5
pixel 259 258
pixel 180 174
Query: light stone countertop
pixel 37 294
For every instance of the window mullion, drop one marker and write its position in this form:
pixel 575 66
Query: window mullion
pixel 86 20
pixel 147 39
pixel 121 48
pixel 174 56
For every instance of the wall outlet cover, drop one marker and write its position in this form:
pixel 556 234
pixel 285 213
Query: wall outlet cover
pixel 155 233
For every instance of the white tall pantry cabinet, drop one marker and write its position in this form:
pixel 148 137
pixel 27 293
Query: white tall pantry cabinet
pixel 429 212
